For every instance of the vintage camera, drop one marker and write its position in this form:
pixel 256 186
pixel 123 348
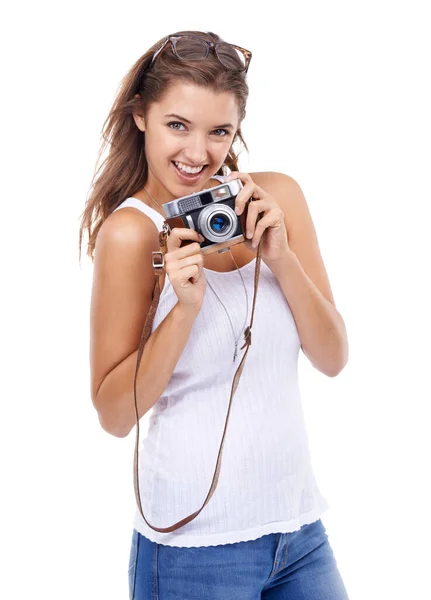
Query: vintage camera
pixel 211 213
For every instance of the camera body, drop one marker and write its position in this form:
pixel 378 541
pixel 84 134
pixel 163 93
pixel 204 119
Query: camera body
pixel 211 213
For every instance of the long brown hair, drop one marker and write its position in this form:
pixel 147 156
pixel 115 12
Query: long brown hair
pixel 124 171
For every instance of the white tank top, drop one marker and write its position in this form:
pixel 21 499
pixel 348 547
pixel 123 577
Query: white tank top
pixel 266 483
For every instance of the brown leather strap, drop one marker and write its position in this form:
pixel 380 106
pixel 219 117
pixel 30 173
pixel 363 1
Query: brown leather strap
pixel 158 263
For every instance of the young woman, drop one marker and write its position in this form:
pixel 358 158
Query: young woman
pixel 171 130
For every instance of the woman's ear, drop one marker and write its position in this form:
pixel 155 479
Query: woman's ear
pixel 139 119
pixel 140 122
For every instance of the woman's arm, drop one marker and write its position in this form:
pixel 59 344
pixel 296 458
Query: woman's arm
pixel 304 281
pixel 115 398
pixel 320 326
pixel 123 282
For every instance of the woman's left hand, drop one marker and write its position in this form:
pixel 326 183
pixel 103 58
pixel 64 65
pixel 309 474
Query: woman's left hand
pixel 275 244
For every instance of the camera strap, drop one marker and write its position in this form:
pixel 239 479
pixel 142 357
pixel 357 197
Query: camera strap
pixel 158 266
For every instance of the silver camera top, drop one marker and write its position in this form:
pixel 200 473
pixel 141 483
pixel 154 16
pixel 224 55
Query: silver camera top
pixel 218 193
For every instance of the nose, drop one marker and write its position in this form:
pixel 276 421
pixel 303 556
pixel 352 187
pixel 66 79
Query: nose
pixel 195 153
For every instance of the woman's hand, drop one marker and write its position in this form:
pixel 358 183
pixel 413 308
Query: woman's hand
pixel 184 267
pixel 275 244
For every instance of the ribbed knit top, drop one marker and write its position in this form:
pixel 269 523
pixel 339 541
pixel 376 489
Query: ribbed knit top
pixel 266 482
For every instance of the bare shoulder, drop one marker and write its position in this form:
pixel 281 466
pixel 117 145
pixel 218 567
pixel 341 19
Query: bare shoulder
pixel 271 178
pixel 276 183
pixel 125 241
pixel 123 282
pixel 301 232
pixel 128 226
pixel 285 189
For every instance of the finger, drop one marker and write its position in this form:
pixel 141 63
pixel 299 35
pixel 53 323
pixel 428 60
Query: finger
pixel 269 220
pixel 180 234
pixel 250 191
pixel 246 191
pixel 254 209
pixel 192 249
pixel 196 259
pixel 183 275
pixel 243 196
pixel 244 177
pixel 176 267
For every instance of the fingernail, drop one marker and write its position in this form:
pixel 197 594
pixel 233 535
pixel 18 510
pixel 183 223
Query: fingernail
pixel 237 210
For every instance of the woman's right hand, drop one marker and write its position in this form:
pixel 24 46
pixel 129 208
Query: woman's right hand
pixel 184 265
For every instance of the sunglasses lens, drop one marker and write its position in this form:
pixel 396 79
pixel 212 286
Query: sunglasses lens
pixel 193 48
pixel 231 57
pixel 190 48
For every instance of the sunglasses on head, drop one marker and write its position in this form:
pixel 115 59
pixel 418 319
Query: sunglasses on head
pixel 193 47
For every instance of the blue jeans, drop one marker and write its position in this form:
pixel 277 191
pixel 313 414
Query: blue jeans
pixel 299 565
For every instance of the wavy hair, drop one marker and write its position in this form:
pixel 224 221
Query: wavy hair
pixel 124 171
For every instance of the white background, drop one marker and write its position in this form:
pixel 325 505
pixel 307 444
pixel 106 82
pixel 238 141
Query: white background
pixel 339 100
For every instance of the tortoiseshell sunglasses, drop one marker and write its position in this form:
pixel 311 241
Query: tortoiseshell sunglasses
pixel 193 47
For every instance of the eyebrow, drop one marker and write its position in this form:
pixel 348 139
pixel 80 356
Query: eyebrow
pixel 189 122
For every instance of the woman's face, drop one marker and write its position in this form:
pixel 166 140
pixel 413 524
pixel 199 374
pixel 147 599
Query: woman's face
pixel 190 129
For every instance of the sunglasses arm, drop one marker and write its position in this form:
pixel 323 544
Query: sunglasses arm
pixel 156 54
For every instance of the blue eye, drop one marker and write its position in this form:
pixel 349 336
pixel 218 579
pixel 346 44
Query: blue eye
pixel 226 132
pixel 175 123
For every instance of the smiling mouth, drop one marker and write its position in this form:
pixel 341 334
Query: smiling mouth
pixel 188 171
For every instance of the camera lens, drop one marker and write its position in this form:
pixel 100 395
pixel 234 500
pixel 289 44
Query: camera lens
pixel 219 223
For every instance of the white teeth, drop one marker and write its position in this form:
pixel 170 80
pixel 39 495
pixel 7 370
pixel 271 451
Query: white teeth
pixel 188 169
